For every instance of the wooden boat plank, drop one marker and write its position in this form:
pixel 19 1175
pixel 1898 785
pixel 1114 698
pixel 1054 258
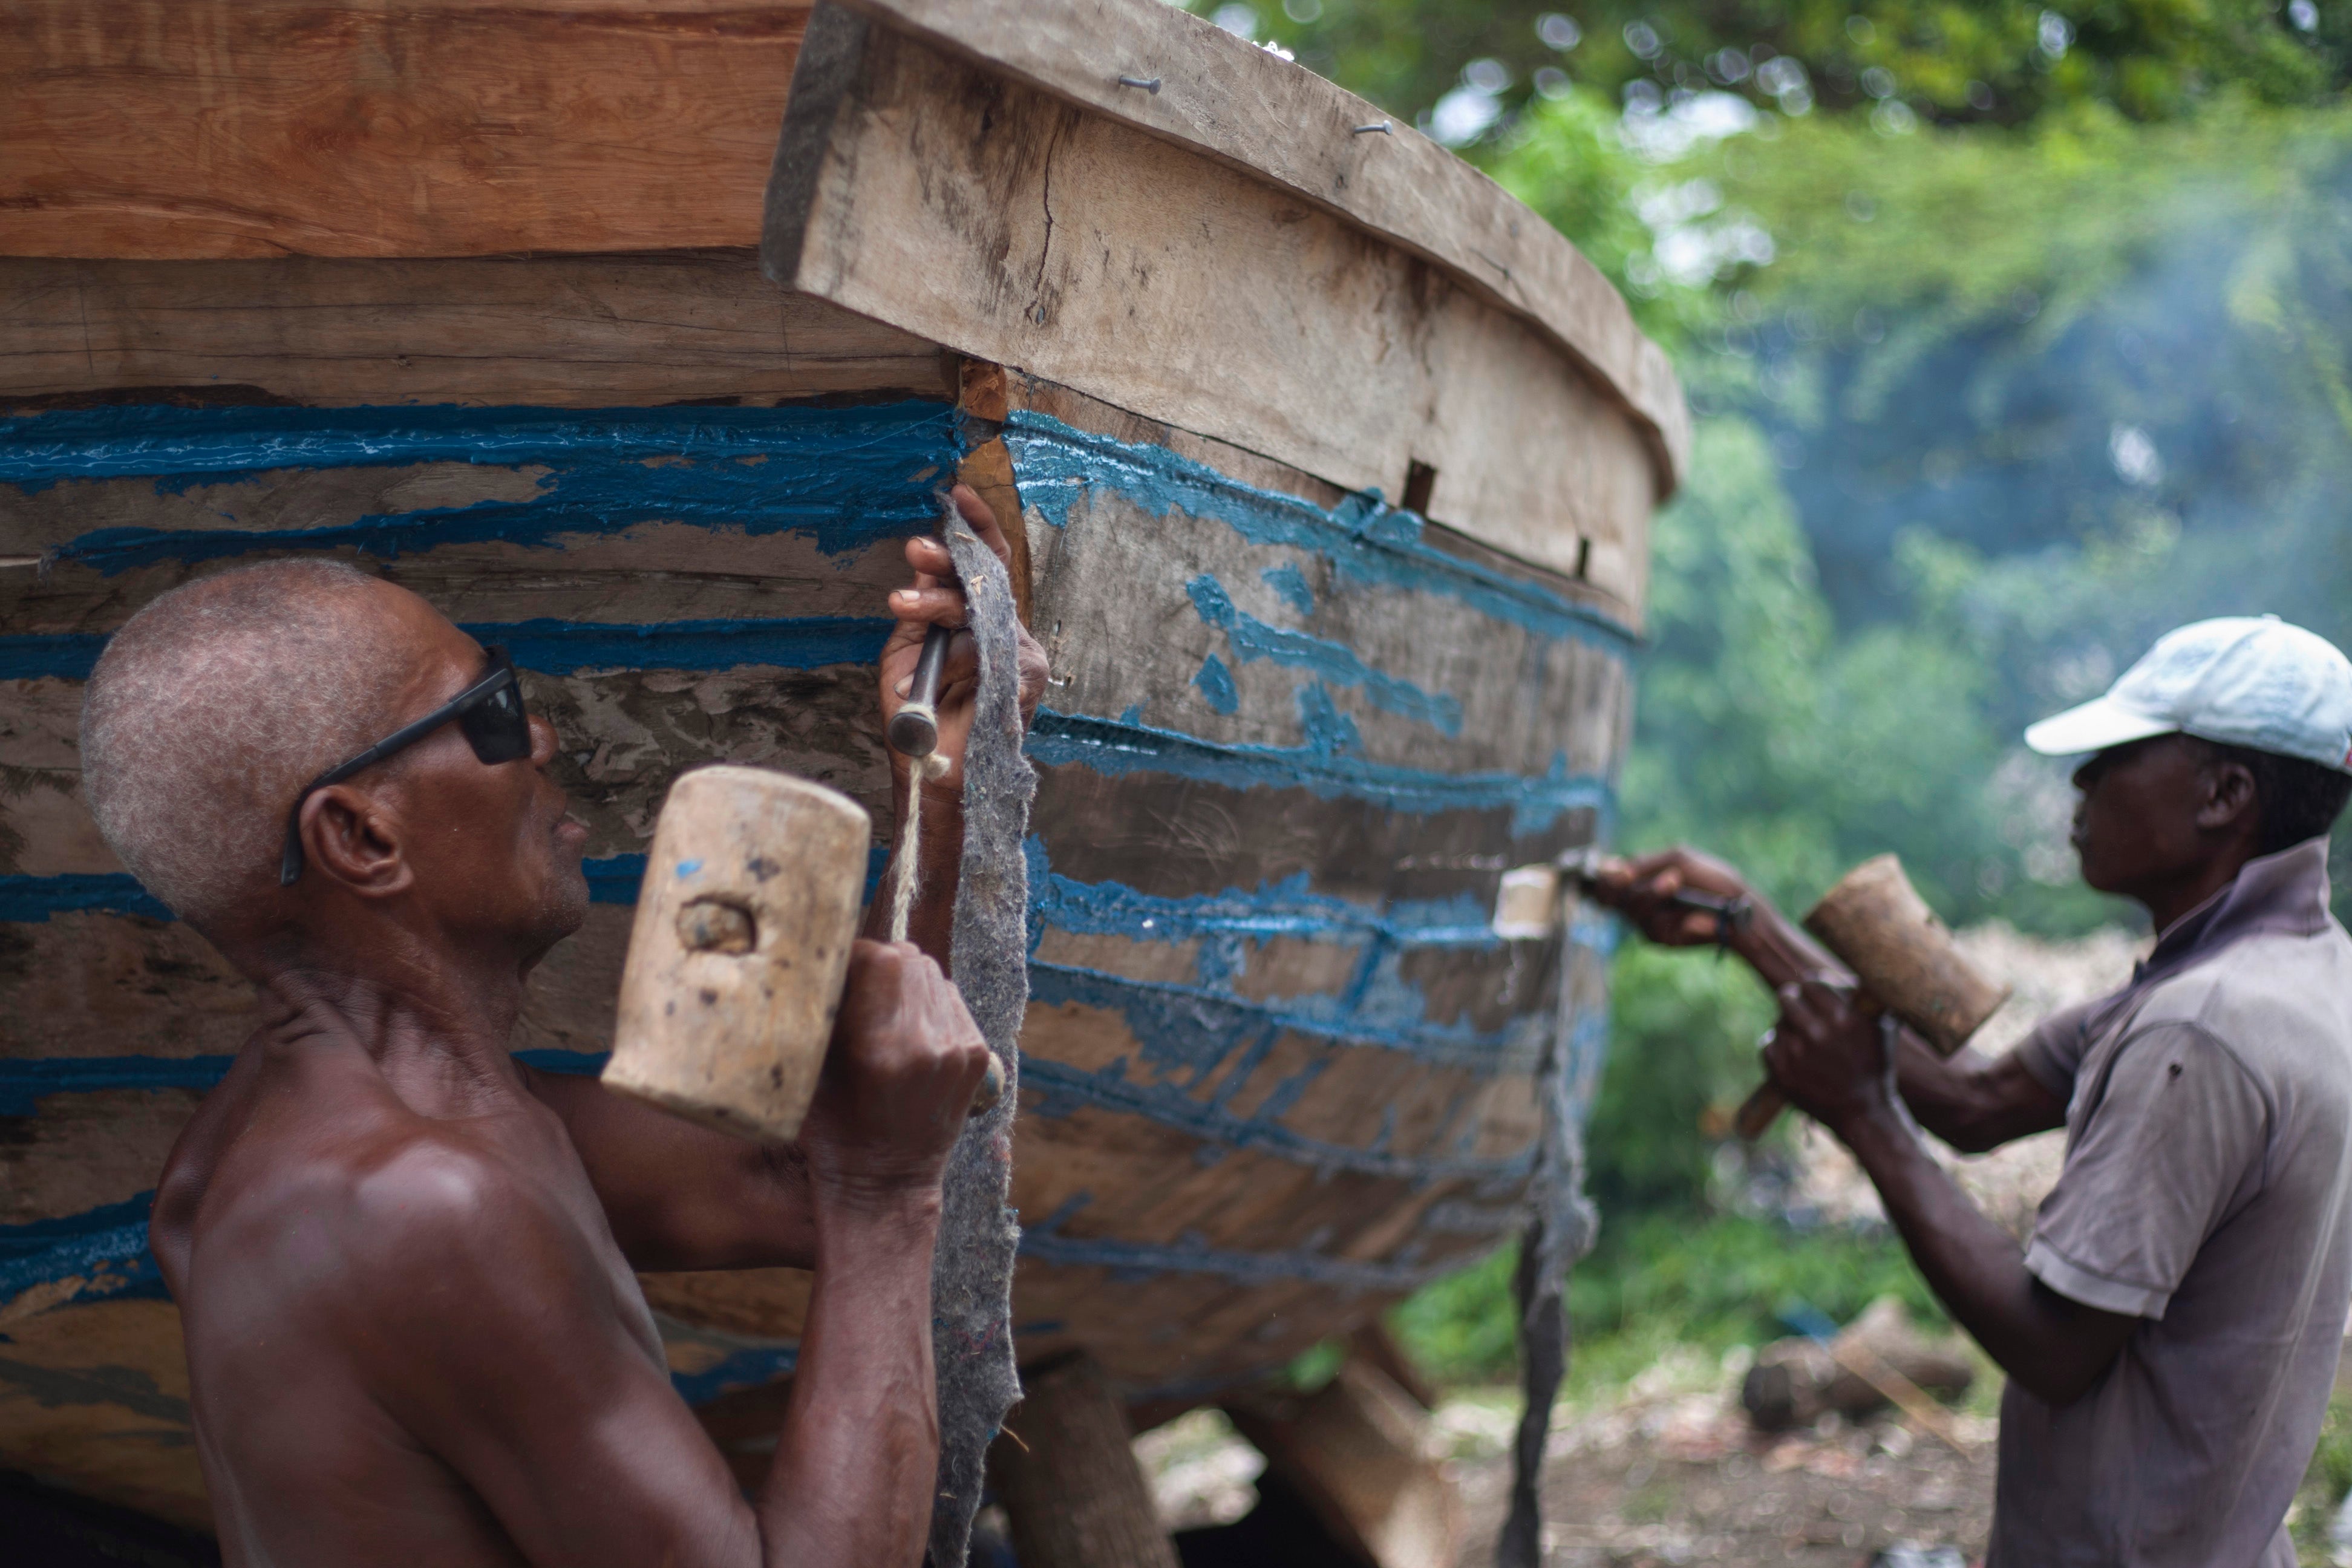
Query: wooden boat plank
pixel 87 983
pixel 1151 277
pixel 1451 978
pixel 1223 97
pixel 1410 669
pixel 84 1151
pixel 564 331
pixel 1171 840
pixel 95 1398
pixel 1317 1190
pixel 223 128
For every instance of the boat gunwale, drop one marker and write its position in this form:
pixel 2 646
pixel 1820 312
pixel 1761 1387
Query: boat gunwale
pixel 1229 100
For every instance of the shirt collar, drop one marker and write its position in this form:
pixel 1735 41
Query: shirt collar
pixel 2285 893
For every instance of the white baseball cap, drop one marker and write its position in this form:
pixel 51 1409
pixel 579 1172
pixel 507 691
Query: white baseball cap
pixel 2241 680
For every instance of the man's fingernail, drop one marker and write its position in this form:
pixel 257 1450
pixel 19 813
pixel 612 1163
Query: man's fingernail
pixel 906 684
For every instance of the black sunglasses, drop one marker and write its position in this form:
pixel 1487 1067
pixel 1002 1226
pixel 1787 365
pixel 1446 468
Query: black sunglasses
pixel 489 712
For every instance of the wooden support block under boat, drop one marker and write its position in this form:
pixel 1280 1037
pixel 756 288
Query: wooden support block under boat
pixel 1357 1451
pixel 1068 1480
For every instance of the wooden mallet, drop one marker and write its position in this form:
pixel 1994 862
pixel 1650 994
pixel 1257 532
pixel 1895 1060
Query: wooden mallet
pixel 1904 963
pixel 741 947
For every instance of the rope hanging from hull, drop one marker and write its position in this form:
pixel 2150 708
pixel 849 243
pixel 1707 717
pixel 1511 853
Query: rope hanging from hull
pixel 1559 1231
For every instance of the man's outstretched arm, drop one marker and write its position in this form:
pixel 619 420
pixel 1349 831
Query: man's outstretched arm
pixel 1831 1058
pixel 1969 1101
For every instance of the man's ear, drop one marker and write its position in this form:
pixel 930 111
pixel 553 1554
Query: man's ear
pixel 349 837
pixel 2231 800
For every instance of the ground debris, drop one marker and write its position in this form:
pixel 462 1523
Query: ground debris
pixel 1671 1472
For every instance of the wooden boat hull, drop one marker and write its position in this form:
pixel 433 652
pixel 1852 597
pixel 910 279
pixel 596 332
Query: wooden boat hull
pixel 1276 1066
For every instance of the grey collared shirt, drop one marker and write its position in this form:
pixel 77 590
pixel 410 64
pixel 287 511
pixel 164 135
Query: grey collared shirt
pixel 2207 1191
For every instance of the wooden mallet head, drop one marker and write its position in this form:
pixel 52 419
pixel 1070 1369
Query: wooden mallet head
pixel 1904 963
pixel 741 947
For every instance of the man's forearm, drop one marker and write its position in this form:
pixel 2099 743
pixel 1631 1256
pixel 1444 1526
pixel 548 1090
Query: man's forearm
pixel 2054 1349
pixel 858 1456
pixel 1781 952
pixel 1970 1102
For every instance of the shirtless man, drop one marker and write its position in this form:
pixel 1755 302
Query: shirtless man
pixel 403 1260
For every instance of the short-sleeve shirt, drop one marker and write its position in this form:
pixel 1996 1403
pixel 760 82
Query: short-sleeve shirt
pixel 2207 1190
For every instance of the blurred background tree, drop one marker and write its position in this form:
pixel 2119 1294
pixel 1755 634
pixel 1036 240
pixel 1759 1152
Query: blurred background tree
pixel 2015 335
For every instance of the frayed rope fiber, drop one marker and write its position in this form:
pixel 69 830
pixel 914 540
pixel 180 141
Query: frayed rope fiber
pixel 972 1273
pixel 1559 1231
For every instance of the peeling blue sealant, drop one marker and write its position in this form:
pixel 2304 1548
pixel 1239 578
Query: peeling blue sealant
pixel 1062 1089
pixel 1324 767
pixel 612 879
pixel 848 477
pixel 1287 908
pixel 1216 684
pixel 1193 1030
pixel 1364 538
pixel 105 1247
pixel 1335 663
pixel 1132 1260
pixel 1289 586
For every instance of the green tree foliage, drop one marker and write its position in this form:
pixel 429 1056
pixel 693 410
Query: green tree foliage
pixel 1997 61
pixel 1987 398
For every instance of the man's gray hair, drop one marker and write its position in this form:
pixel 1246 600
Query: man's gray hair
pixel 213 705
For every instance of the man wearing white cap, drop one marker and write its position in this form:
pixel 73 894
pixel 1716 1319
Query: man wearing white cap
pixel 2170 1332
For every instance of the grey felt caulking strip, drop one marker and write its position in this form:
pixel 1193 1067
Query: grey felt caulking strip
pixel 972 1274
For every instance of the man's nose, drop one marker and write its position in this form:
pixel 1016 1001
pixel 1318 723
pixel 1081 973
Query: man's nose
pixel 542 742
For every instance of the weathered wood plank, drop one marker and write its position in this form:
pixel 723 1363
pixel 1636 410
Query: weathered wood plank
pixel 1008 224
pixel 554 330
pixel 1069 1480
pixel 1224 97
pixel 225 128
pixel 1360 1452
pixel 1421 663
pixel 95 1397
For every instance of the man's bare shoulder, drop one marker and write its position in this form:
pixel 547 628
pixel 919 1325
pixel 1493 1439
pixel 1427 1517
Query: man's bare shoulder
pixel 365 1219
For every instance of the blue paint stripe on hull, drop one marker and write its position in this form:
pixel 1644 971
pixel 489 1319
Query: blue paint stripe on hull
pixel 1288 908
pixel 612 879
pixel 24 1081
pixel 750 1367
pixel 1142 1260
pixel 572 647
pixel 848 477
pixel 106 1246
pixel 1193 1027
pixel 1368 541
pixel 564 648
pixel 1334 663
pixel 31 899
pixel 1117 747
pixel 1061 1089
